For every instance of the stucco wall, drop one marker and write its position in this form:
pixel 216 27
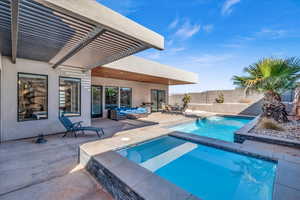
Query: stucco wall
pixel 235 101
pixel 207 97
pixel 141 92
pixel 10 128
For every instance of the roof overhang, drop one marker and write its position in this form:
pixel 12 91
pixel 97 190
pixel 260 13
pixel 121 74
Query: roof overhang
pixel 134 68
pixel 80 33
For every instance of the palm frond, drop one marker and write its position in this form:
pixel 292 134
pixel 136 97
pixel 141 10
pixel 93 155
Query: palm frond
pixel 270 74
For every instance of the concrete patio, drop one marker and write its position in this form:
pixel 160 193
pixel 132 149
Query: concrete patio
pixel 51 170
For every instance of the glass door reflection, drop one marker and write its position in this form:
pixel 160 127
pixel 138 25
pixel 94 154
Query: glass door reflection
pixel 158 98
pixel 96 101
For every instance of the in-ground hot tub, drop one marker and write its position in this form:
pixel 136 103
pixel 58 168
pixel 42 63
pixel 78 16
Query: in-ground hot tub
pixel 207 172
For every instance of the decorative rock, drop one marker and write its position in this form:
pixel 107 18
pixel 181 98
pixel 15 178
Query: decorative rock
pixel 292 131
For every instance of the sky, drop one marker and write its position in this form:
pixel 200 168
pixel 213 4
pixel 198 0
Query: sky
pixel 216 38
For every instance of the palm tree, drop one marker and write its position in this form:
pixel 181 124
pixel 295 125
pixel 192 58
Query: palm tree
pixel 273 77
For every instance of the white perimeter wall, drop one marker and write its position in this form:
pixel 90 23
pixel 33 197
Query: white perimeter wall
pixel 10 128
pixel 141 92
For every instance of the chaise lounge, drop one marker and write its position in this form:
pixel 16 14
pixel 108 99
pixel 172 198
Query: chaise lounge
pixel 77 126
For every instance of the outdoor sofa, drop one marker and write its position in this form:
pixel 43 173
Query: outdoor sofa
pixel 130 113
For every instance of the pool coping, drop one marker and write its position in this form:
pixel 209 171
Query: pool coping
pixel 126 179
pixel 244 134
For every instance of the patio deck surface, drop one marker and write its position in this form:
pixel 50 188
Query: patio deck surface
pixel 51 170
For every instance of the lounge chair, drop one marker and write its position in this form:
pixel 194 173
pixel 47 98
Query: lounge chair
pixel 77 126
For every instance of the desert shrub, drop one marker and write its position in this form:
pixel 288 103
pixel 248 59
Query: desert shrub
pixel 271 124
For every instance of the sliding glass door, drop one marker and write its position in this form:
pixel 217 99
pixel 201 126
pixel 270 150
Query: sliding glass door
pixel 96 101
pixel 158 98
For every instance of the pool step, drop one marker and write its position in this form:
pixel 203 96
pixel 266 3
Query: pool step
pixel 168 156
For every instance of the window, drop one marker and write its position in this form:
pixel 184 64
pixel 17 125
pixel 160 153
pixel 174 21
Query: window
pixel 69 96
pixel 125 97
pixel 111 97
pixel 32 97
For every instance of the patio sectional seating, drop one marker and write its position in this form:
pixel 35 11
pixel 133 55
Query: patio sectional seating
pixel 131 113
pixel 73 127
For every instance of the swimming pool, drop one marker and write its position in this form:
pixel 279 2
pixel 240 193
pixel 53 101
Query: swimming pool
pixel 207 172
pixel 217 127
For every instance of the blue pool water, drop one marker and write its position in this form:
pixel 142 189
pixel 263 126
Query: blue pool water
pixel 221 128
pixel 207 172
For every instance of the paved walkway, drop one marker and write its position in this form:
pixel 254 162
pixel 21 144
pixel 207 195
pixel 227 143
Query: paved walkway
pixel 51 170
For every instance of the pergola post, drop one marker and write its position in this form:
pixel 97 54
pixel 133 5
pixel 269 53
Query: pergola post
pixel 90 37
pixel 14 29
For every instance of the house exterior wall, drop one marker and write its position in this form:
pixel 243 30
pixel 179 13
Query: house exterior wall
pixel 141 92
pixel 10 127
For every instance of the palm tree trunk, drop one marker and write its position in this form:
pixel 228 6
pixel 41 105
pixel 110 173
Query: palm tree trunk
pixel 273 107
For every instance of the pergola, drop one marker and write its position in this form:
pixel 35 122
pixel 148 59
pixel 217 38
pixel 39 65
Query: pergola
pixel 80 33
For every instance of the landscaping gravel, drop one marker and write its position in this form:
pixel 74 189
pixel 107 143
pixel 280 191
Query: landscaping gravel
pixel 292 131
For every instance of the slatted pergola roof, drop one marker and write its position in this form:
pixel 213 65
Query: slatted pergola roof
pixel 77 33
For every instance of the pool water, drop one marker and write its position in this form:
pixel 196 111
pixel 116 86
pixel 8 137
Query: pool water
pixel 221 128
pixel 207 172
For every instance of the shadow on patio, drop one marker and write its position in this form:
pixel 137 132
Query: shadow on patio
pixel 112 127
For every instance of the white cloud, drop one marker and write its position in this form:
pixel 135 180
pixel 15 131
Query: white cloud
pixel 227 6
pixel 174 23
pixel 211 59
pixel 208 28
pixel 154 55
pixel 272 33
pixel 263 34
pixel 238 42
pixel 176 50
pixel 233 45
pixel 187 30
